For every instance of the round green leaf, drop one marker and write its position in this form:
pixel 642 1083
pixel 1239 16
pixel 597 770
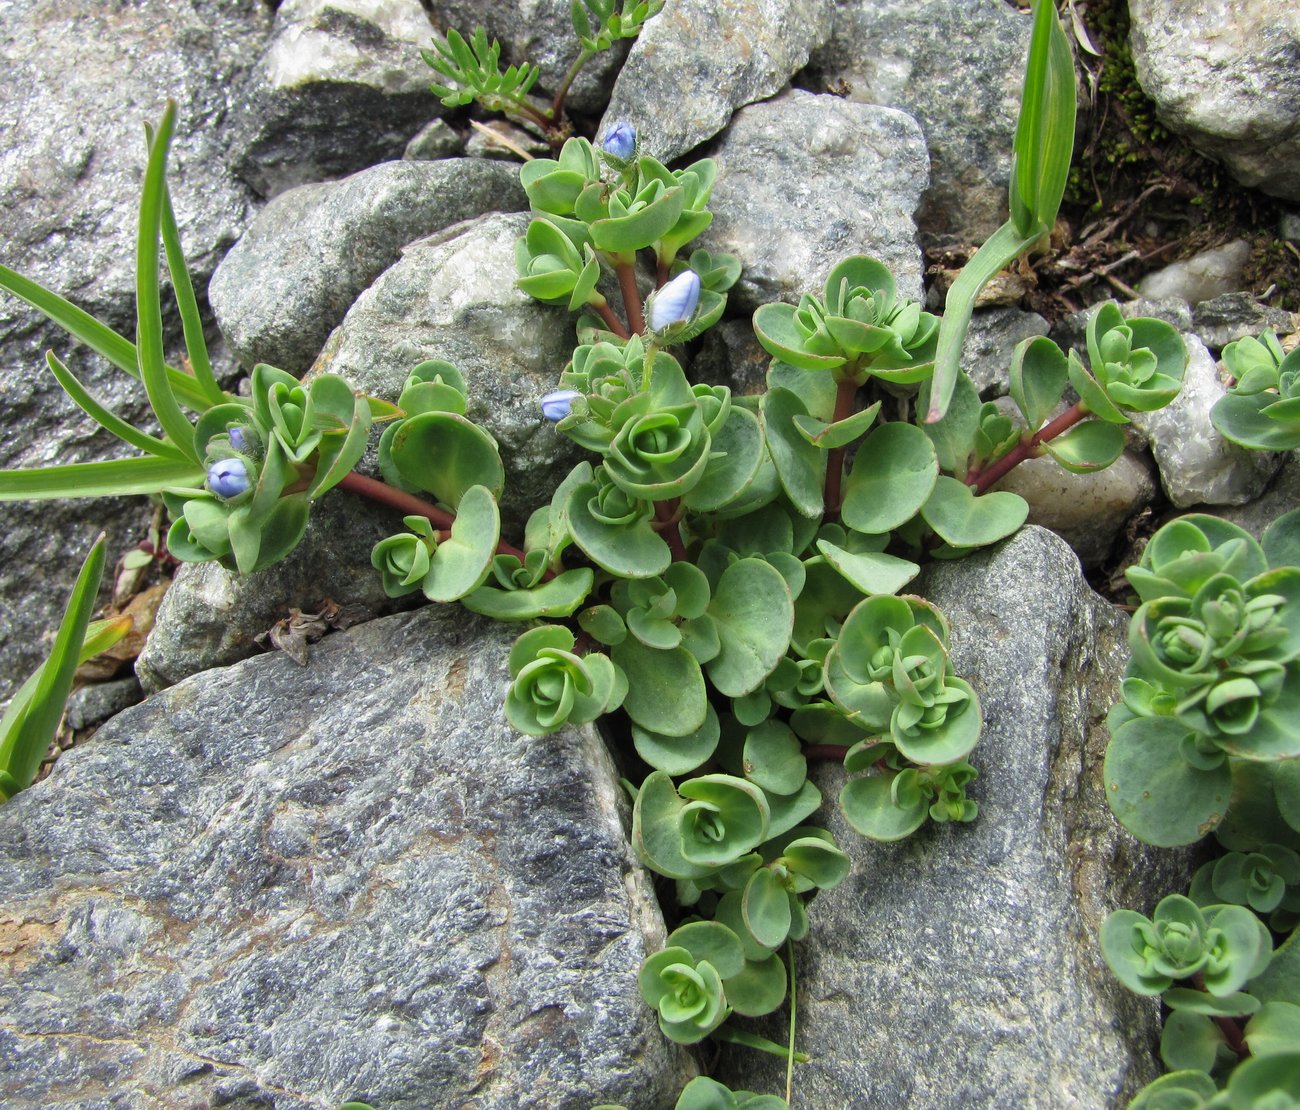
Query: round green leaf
pixel 1190 1041
pixel 462 561
pixel 678 755
pixel 773 758
pixel 777 331
pixel 894 472
pixel 869 806
pixel 964 520
pixel 632 550
pixel 1154 792
pixel 766 908
pixel 1037 379
pixel 1092 445
pixel 1274 1030
pixel 754 614
pixel 445 455
pixel 667 694
pixel 800 466
pixel 738 451
pixel 712 941
pixel 872 572
pixel 759 988
pixel 560 597
pixel 655 829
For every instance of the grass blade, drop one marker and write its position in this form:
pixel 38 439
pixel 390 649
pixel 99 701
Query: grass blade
pixel 196 347
pixel 23 749
pixel 120 477
pixel 148 308
pixel 100 338
pixel 105 417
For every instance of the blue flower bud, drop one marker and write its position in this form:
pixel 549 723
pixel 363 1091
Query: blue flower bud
pixel 620 141
pixel 557 405
pixel 238 439
pixel 675 302
pixel 228 478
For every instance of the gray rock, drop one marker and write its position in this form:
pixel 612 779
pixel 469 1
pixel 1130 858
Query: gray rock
pixel 991 341
pixel 1227 79
pixel 1222 320
pixel 730 355
pixel 97 701
pixel 1282 495
pixel 696 62
pixel 286 887
pixel 501 140
pixel 957 69
pixel 341 85
pixel 452 296
pixel 1210 274
pixel 1290 226
pixel 1197 465
pixel 960 968
pixel 78 81
pixel 803 181
pixel 541 32
pixel 292 277
pixel 436 139
pixel 211 617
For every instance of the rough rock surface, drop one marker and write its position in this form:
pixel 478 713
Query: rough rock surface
pixel 1197 465
pixel 957 69
pixel 1210 274
pixel 540 32
pixel 1219 321
pixel 1227 77
pixel 78 79
pixel 1282 496
pixel 959 968
pixel 698 61
pixel 1086 510
pixel 295 273
pixel 991 341
pixel 341 85
pixel 284 887
pixel 452 296
pixel 803 181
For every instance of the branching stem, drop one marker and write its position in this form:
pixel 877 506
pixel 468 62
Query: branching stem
pixel 410 505
pixel 611 319
pixel 982 480
pixel 667 514
pixel 631 296
pixel 557 104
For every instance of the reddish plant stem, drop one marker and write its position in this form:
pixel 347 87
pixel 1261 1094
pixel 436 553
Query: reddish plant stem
pixel 410 505
pixel 1028 449
pixel 662 272
pixel 631 296
pixel 666 516
pixel 846 397
pixel 1229 1027
pixel 612 321
pixel 835 752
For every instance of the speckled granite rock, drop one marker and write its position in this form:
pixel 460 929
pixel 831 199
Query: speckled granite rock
pixel 312 250
pixel 341 85
pixel 452 296
pixel 959 969
pixel 1225 76
pixel 697 61
pixel 282 887
pixel 803 181
pixel 957 69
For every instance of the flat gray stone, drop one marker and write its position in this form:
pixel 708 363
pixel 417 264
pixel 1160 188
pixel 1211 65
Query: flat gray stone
pixel 97 701
pixel 991 342
pixel 959 969
pixel 436 139
pixel 1222 320
pixel 341 85
pixel 1210 274
pixel 289 281
pixel 805 180
pixel 286 887
pixel 453 296
pixel 957 69
pixel 1226 78
pixel 697 61
pixel 1197 465
pixel 1282 495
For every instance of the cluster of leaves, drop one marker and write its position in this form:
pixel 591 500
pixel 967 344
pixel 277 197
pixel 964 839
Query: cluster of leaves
pixel 1207 738
pixel 1262 408
pixel 469 70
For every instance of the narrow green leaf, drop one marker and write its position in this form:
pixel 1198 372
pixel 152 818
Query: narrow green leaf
pixel 106 418
pixel 120 477
pixel 196 347
pixel 24 749
pixel 149 337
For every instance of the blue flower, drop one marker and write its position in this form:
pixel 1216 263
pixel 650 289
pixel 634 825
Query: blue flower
pixel 675 302
pixel 228 478
pixel 238 439
pixel 557 405
pixel 620 141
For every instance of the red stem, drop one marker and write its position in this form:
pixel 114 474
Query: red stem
pixel 410 505
pixel 835 752
pixel 846 397
pixel 666 517
pixel 1028 449
pixel 662 273
pixel 612 321
pixel 631 296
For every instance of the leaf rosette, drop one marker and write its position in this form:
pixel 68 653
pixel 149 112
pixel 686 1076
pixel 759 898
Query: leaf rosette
pixel 553 687
pixel 1137 365
pixel 1263 410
